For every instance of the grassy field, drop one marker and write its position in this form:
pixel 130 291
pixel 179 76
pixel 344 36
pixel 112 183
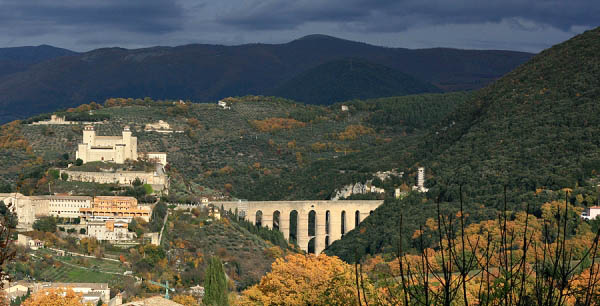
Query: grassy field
pixel 81 269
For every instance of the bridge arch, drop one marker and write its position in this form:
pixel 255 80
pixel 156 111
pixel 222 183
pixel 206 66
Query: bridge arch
pixel 312 223
pixel 293 230
pixel 258 218
pixel 276 220
pixel 343 223
pixel 327 221
pixel 311 247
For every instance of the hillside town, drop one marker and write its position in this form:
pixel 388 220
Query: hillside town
pixel 359 153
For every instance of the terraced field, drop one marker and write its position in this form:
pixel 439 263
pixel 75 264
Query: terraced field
pixel 69 269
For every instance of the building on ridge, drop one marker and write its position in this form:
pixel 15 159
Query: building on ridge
pixel 116 149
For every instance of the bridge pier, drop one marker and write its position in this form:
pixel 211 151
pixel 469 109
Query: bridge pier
pixel 302 230
pixel 320 224
pixel 364 215
pixel 335 225
pixel 267 219
pixel 350 222
pixel 284 224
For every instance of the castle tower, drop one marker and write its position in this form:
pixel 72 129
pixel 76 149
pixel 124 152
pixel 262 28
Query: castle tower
pixel 89 135
pixel 127 151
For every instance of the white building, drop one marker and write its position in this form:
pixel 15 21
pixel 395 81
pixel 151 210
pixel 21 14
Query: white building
pixel 591 213
pixel 109 231
pixel 156 157
pixel 91 292
pixel 344 108
pixel 67 206
pixel 28 242
pixel 223 104
pixel 115 149
pixel 159 127
pixel 24 207
pixel 420 187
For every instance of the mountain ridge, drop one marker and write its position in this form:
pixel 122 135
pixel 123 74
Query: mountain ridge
pixel 211 72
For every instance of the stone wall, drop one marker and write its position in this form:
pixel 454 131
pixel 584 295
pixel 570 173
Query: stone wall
pixel 119 177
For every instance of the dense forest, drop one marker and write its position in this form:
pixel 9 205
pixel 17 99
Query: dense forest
pixel 532 132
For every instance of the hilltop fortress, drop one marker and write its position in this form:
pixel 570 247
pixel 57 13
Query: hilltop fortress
pixel 115 149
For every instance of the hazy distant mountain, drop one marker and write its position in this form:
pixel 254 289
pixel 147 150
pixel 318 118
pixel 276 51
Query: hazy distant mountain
pixel 209 72
pixel 20 58
pixel 343 80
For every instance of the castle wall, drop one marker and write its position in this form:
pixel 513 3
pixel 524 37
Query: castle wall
pixel 121 178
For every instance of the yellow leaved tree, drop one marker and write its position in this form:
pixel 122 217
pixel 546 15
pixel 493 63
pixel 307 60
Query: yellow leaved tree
pixel 306 280
pixel 54 297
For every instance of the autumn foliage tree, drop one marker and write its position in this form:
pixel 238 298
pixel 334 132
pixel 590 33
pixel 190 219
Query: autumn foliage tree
pixel 186 300
pixel 54 297
pixel 305 280
pixel 276 124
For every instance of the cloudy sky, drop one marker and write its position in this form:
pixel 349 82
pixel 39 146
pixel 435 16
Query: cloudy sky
pixel 81 25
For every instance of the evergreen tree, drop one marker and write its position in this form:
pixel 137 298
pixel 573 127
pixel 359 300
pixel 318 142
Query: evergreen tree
pixel 215 284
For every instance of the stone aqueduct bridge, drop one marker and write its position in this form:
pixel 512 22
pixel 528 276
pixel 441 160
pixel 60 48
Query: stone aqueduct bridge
pixel 332 219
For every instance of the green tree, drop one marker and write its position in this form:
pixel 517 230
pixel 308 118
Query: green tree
pixel 78 162
pixel 215 283
pixel 148 189
pixel 45 224
pixel 5 187
pixel 54 174
pixel 137 182
pixel 9 216
pixel 64 176
pixel 82 231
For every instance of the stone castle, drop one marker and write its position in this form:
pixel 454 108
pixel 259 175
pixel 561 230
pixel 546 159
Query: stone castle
pixel 115 149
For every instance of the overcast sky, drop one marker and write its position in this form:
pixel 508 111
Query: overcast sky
pixel 81 25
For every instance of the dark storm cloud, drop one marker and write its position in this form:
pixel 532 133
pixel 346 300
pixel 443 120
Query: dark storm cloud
pixel 399 15
pixel 144 16
pixel 87 24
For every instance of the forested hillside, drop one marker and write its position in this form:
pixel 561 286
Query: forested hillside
pixel 18 59
pixel 345 80
pixel 262 148
pixel 210 72
pixel 533 131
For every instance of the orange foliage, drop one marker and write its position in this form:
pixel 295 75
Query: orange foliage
pixel 11 138
pixel 186 300
pixel 354 131
pixel 226 170
pixel 275 124
pixel 54 297
pixel 305 280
